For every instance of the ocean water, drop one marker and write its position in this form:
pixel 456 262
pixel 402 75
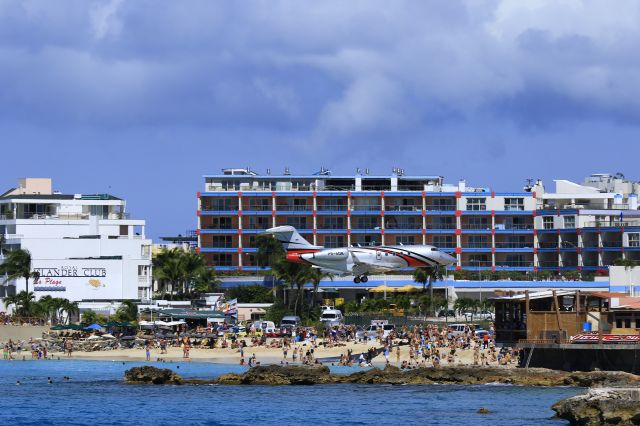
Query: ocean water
pixel 97 395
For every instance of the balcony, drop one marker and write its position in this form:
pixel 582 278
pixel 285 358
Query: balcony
pixel 394 208
pixel 259 208
pixel 440 207
pixel 441 226
pixel 403 226
pixel 514 264
pixel 367 207
pixel 483 226
pixel 515 245
pixel 444 245
pixel 486 245
pixel 333 207
pixel 293 208
pixel 477 264
pixel 612 224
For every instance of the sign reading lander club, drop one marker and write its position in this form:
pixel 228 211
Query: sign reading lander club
pixel 56 278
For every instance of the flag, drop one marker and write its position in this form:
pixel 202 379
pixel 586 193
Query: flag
pixel 231 307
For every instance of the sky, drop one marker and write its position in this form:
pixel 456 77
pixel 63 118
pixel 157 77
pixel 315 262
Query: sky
pixel 142 98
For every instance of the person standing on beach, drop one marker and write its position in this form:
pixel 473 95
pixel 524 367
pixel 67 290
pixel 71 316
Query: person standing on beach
pixel 148 351
pixel 398 354
pixel 68 345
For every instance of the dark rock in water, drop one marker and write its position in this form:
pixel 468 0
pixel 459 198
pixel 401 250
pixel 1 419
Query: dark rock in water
pixel 148 374
pixel 483 410
pixel 286 375
pixel 601 406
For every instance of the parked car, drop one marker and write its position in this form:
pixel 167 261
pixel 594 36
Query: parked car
pixel 290 321
pixel 447 313
pixel 372 330
pixel 331 317
pixel 482 315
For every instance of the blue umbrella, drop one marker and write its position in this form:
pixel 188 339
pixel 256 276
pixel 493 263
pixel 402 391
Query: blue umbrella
pixel 93 327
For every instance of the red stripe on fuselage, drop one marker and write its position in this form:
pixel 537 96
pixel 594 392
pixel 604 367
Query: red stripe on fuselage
pixel 294 255
pixel 415 263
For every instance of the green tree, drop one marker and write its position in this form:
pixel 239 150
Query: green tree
pixel 276 311
pixel 294 275
pixel 91 317
pixel 193 265
pixel 250 294
pixel 205 281
pixel 17 264
pixel 627 263
pixel 21 302
pixel 316 276
pixel 269 251
pixel 426 276
pixel 70 308
pixel 127 311
pixel 169 267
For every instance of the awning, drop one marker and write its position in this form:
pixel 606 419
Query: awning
pixel 383 288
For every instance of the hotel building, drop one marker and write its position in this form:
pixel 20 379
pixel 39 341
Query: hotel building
pixel 85 247
pixel 579 227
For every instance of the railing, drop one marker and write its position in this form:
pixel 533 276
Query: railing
pixel 478 263
pixel 293 208
pixel 587 206
pixel 258 226
pixel 514 245
pixel 229 227
pixel 325 226
pixel 512 226
pixel 333 207
pixel 486 245
pixel 367 207
pixel 611 244
pixel 394 208
pixel 440 207
pixel 484 226
pixel 403 226
pixel 441 226
pixel 259 208
pixel 515 263
pixel 611 224
pixel 543 244
pixel 549 264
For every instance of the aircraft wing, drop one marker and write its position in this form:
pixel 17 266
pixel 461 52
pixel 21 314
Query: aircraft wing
pixel 360 267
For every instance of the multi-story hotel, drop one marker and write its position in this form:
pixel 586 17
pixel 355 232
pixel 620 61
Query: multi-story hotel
pixel 85 247
pixel 579 227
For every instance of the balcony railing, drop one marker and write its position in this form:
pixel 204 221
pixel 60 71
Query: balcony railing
pixel 514 245
pixel 293 208
pixel 333 207
pixel 444 245
pixel 612 244
pixel 441 207
pixel 367 207
pixel 544 244
pixel 611 224
pixel 483 226
pixel 403 208
pixel 512 226
pixel 441 226
pixel 477 263
pixel 259 208
pixel 515 263
pixel 486 245
pixel 403 226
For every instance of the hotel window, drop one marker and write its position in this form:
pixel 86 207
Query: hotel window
pixel 547 222
pixel 333 241
pixel 339 204
pixel 260 204
pixel 476 203
pixel 333 223
pixel 569 222
pixel 222 259
pixel 145 251
pixel 367 223
pixel 259 222
pixel 634 239
pixel 222 204
pixel 443 241
pixel 511 204
pixel 443 204
pixel 478 241
pixel 298 222
pixel 443 223
pixel 479 223
pixel 220 223
pixel 405 239
pixel 222 241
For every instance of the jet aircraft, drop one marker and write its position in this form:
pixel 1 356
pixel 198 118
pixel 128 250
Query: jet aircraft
pixel 358 261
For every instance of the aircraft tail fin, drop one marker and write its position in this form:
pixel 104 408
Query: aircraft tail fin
pixel 290 238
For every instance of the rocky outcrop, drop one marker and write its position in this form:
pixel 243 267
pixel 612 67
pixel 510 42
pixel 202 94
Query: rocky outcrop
pixel 601 406
pixel 156 376
pixel 318 374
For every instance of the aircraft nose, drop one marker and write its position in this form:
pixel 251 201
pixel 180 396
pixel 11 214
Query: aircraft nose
pixel 448 259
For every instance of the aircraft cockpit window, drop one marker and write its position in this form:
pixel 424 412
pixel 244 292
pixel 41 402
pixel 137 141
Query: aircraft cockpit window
pixel 434 249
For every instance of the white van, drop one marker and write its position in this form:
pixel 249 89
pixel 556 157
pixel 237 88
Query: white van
pixel 331 317
pixel 265 326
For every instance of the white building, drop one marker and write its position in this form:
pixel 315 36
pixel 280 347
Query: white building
pixel 85 247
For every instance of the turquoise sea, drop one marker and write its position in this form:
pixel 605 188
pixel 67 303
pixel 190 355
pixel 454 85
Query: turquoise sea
pixel 97 395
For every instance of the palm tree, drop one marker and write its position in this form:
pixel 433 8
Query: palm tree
pixel 193 264
pixel 71 308
pixel 205 281
pixel 315 276
pixel 16 265
pixel 21 301
pixel 128 311
pixel 293 274
pixel 169 266
pixel 428 275
pixel 269 251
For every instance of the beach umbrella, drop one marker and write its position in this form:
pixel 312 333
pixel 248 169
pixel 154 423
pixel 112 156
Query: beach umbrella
pixel 93 327
pixel 407 288
pixel 382 289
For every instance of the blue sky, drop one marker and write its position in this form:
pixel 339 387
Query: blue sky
pixel 142 98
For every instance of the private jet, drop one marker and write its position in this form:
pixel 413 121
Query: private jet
pixel 358 261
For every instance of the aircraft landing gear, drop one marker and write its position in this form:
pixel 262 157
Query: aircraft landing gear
pixel 356 280
pixel 359 279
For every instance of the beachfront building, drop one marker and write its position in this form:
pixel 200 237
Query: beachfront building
pixel 85 247
pixel 579 227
